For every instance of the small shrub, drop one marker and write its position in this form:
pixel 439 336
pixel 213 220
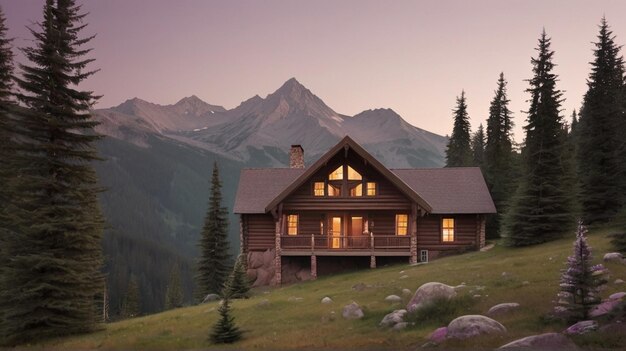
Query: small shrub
pixel 442 310
pixel 225 331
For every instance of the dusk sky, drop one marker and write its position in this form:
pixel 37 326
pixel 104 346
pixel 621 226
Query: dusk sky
pixel 412 56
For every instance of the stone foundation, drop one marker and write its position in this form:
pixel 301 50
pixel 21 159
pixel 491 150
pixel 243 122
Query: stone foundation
pixel 261 269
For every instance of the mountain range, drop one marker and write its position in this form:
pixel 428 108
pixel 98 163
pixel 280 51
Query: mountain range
pixel 158 161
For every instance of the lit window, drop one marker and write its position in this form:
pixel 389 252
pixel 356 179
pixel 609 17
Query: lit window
pixel 357 190
pixel 336 174
pixel 292 224
pixel 402 224
pixel 447 230
pixel 322 227
pixel 353 175
pixel 334 190
pixel 371 189
pixel 318 189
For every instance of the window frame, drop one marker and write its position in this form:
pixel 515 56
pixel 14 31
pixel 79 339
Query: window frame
pixel 289 224
pixel 453 228
pixel 367 194
pixel 323 188
pixel 397 226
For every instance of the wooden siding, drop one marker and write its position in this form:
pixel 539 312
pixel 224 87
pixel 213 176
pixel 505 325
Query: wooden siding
pixel 260 232
pixel 429 232
pixel 387 197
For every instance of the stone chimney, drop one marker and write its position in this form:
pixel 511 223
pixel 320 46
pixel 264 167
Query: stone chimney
pixel 296 157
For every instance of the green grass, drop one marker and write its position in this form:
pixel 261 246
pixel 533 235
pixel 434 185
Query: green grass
pixel 284 324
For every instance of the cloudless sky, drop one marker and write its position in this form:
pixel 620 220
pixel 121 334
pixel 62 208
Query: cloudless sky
pixel 412 56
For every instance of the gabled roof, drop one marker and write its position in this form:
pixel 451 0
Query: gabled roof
pixel 344 144
pixel 439 190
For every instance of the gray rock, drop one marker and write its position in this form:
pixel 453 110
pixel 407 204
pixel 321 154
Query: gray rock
pixel 403 277
pixel 460 287
pixel 525 282
pixel 393 298
pixel 352 311
pixel 469 326
pixel 603 308
pixel 211 298
pixel 393 318
pixel 548 341
pixel 327 300
pixel 582 327
pixel 429 292
pixel 617 296
pixel 613 257
pixel 618 281
pixel 477 296
pixel 406 292
pixel 400 326
pixel 294 299
pixel 502 308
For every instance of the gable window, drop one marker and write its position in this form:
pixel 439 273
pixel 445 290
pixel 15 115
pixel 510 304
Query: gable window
pixel 402 224
pixel 318 188
pixel 292 225
pixel 353 175
pixel 356 190
pixel 337 174
pixel 371 189
pixel 334 190
pixel 447 230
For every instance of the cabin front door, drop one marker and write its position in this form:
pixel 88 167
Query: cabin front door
pixel 336 231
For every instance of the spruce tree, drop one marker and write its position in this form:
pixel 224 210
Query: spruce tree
pixel 581 281
pixel 174 293
pixel 499 158
pixel 214 263
pixel 598 138
pixel 238 285
pixel 459 152
pixel 131 304
pixel 225 331
pixel 52 277
pixel 541 208
pixel 478 147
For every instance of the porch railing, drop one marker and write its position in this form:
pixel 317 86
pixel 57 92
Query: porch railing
pixel 342 242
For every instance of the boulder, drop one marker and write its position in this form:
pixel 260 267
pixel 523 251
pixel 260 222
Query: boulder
pixel 251 273
pixel 429 292
pixel 400 326
pixel 618 281
pixel 548 341
pixel 613 257
pixel 393 318
pixel 255 259
pixel 352 311
pixel 393 298
pixel 439 335
pixel 502 308
pixel 406 292
pixel 268 258
pixel 582 327
pixel 469 326
pixel 263 277
pixel 603 308
pixel 327 300
pixel 617 296
pixel 210 298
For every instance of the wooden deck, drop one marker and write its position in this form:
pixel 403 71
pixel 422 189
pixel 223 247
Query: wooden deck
pixel 331 245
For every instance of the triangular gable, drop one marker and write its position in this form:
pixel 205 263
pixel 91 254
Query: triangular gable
pixel 345 144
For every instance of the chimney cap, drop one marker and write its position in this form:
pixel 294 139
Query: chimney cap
pixel 297 145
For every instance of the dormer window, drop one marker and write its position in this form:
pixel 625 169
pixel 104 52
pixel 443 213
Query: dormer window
pixel 344 181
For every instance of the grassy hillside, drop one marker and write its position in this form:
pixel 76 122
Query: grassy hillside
pixel 285 324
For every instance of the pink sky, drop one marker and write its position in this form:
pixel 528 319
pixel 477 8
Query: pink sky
pixel 411 56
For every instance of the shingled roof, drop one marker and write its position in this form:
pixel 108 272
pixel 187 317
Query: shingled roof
pixel 436 190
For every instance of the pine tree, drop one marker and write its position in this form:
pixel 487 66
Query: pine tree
pixel 459 152
pixel 214 263
pixel 499 157
pixel 174 294
pixel 541 209
pixel 238 285
pixel 53 275
pixel 131 305
pixel 580 281
pixel 478 147
pixel 225 331
pixel 598 138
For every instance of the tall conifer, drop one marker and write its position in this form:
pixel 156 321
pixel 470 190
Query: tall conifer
pixel 541 209
pixel 459 151
pixel 53 275
pixel 599 166
pixel 214 263
pixel 499 156
pixel 478 147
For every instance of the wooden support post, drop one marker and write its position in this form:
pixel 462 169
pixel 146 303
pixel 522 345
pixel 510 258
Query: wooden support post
pixel 413 227
pixel 372 261
pixel 372 256
pixel 313 259
pixel 277 254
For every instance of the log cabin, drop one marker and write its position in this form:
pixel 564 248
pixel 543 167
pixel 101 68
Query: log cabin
pixel 347 210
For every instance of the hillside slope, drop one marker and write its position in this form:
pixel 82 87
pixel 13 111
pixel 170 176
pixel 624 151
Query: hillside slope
pixel 284 324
